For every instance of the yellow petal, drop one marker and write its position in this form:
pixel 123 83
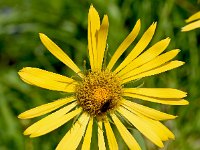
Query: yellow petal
pixel 126 135
pixel 48 75
pixel 169 134
pixel 163 132
pixel 93 27
pixel 124 45
pixel 158 61
pixel 101 143
pixel 194 17
pixel 49 119
pixel 46 80
pixel 191 26
pixel 147 56
pixel 140 46
pixel 56 123
pixel 101 41
pixel 88 136
pixel 44 109
pixel 168 66
pixel 157 92
pixel 146 111
pixel 112 143
pixel 141 126
pixel 171 101
pixel 58 53
pixel 73 137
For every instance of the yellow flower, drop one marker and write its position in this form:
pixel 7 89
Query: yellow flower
pixel 101 96
pixel 194 22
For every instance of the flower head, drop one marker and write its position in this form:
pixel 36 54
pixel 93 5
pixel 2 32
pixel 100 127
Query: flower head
pixel 194 22
pixel 101 95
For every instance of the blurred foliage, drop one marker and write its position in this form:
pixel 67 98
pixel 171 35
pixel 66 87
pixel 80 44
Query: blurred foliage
pixel 65 22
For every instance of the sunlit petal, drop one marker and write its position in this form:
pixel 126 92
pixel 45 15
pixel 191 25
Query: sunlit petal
pixel 171 101
pixel 147 56
pixel 50 118
pixel 146 111
pixel 42 81
pixel 44 109
pixel 48 75
pixel 191 26
pixel 156 62
pixel 58 53
pixel 168 66
pixel 93 27
pixel 112 143
pixel 88 136
pixel 124 45
pixel 193 17
pixel 141 126
pixel 73 137
pixel 163 132
pixel 101 41
pixel 101 142
pixel 56 123
pixel 138 49
pixel 157 92
pixel 126 135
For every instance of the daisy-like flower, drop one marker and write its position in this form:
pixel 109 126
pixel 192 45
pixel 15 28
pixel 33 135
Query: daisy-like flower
pixel 194 22
pixel 100 96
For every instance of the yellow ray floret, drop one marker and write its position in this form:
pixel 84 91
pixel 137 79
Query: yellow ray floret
pixel 50 118
pixel 194 17
pixel 101 41
pixel 140 46
pixel 192 25
pixel 88 136
pixel 157 92
pixel 47 80
pixel 58 53
pixel 56 123
pixel 168 66
pixel 126 135
pixel 141 126
pixel 163 132
pixel 73 137
pixel 147 56
pixel 93 27
pixel 44 109
pixel 48 75
pixel 112 143
pixel 101 142
pixel 124 45
pixel 156 62
pixel 171 101
pixel 146 111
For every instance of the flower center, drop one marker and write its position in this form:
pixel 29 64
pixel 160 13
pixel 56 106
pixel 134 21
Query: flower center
pixel 99 92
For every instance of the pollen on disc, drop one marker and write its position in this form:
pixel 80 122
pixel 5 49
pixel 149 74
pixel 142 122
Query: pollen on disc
pixel 99 92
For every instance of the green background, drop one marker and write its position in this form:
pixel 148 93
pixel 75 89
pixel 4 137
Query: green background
pixel 65 22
